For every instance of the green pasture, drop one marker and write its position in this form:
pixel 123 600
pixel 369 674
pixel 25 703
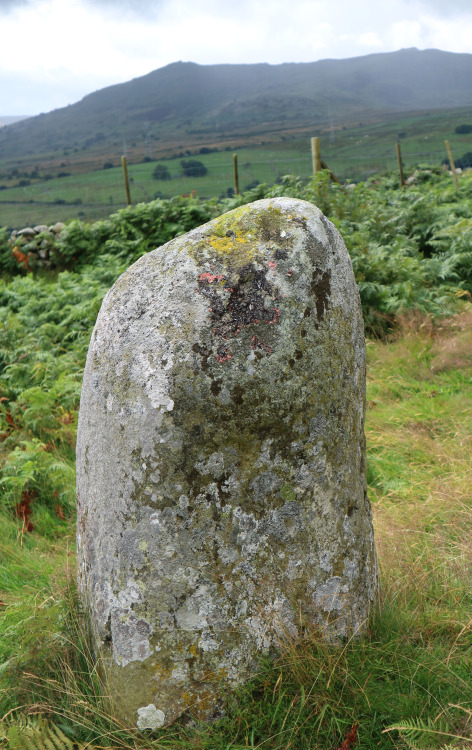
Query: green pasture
pixel 362 150
pixel 353 151
pixel 102 191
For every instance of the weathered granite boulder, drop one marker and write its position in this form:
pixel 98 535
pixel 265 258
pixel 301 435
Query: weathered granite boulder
pixel 221 459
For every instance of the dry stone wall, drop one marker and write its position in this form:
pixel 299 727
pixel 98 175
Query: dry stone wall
pixel 221 459
pixel 33 247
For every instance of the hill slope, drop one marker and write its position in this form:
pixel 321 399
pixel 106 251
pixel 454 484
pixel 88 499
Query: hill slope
pixel 185 103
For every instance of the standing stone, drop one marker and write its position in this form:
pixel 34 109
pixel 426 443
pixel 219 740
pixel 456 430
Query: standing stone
pixel 221 459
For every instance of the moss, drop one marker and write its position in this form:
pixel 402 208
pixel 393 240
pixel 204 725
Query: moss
pixel 288 493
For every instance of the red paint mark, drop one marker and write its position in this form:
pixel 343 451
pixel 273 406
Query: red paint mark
pixel 272 264
pixel 276 317
pixel 290 273
pixel 229 289
pixel 223 358
pixel 210 277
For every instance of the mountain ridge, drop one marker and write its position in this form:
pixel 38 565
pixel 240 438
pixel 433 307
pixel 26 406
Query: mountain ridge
pixel 186 105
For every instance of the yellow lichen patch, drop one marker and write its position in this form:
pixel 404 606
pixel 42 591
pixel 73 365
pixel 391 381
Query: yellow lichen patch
pixel 187 698
pixel 235 248
pixel 162 673
pixel 239 237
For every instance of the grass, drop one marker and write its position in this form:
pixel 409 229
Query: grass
pixel 412 667
pixel 353 151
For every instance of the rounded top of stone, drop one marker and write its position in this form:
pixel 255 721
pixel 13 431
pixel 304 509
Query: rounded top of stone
pixel 244 234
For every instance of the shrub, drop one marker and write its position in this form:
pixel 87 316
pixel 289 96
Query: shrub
pixel 193 168
pixel 161 172
pixel 463 129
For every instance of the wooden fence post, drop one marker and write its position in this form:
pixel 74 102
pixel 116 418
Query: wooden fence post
pixel 235 174
pixel 400 165
pixel 316 155
pixel 124 164
pixel 451 162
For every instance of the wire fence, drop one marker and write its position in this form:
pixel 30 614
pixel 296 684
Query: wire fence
pixel 95 195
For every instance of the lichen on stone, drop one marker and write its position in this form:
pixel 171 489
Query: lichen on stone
pixel 150 717
pixel 221 458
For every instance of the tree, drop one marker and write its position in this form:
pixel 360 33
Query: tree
pixel 463 129
pixel 161 172
pixel 193 168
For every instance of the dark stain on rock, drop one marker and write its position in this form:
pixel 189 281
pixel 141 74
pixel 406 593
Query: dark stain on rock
pixel 238 394
pixel 215 387
pixel 320 287
pixel 204 354
pixel 236 306
pixel 280 254
pixel 300 221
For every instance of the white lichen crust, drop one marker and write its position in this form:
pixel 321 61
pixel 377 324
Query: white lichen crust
pixel 221 459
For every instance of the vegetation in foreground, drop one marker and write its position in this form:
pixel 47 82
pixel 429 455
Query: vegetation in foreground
pixel 406 683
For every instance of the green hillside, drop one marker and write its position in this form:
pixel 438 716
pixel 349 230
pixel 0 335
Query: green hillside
pixel 184 105
pixel 354 152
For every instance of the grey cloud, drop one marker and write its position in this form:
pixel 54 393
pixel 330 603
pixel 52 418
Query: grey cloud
pixel 141 8
pixel 449 8
pixel 6 5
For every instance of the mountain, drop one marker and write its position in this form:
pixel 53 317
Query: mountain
pixel 185 105
pixel 9 119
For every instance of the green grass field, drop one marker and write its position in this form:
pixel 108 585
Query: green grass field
pixel 354 152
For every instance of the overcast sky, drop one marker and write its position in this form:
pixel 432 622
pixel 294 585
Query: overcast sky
pixel 54 52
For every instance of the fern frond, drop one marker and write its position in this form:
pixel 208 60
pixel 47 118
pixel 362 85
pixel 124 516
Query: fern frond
pixel 35 733
pixel 414 730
